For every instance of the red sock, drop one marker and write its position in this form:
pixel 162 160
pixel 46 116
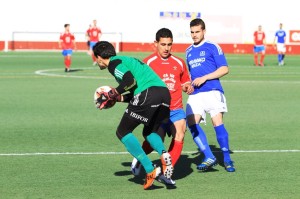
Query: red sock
pixel 93 57
pixel 262 59
pixel 146 147
pixel 255 59
pixel 175 150
pixel 67 62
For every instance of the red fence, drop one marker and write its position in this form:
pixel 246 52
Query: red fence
pixel 132 47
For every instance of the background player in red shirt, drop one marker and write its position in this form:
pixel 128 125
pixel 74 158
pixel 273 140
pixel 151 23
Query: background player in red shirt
pixel 93 35
pixel 259 46
pixel 67 43
pixel 173 71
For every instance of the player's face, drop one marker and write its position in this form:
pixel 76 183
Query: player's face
pixel 164 47
pixel 259 28
pixel 101 63
pixel 197 34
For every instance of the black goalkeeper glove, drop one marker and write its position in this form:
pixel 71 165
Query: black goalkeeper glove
pixel 114 95
pixel 102 100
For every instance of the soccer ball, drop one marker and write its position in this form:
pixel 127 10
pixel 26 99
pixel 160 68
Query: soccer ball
pixel 100 90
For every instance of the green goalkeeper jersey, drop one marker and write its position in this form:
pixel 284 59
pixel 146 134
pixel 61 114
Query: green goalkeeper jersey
pixel 143 74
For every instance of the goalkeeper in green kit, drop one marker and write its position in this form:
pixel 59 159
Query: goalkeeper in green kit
pixel 148 103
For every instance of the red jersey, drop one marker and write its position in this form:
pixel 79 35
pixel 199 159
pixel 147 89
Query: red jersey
pixel 93 33
pixel 259 37
pixel 173 72
pixel 67 40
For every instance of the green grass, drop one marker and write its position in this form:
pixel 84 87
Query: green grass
pixel 47 120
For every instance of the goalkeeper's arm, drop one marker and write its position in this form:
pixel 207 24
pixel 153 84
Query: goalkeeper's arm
pixel 128 82
pixel 126 97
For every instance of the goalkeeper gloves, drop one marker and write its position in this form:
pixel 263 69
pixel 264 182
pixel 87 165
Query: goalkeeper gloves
pixel 114 95
pixel 102 100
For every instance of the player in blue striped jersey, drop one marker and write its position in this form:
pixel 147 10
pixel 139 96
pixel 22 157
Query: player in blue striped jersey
pixel 207 63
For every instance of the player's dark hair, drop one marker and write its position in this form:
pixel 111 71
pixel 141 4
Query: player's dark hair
pixel 198 22
pixel 66 25
pixel 163 33
pixel 104 49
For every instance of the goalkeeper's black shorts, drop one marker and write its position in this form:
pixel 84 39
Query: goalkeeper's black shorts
pixel 151 108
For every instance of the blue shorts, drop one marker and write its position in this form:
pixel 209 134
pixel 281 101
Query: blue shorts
pixel 258 49
pixel 175 115
pixel 92 44
pixel 67 52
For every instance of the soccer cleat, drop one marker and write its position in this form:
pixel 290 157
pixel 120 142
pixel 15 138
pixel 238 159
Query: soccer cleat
pixel 229 166
pixel 136 167
pixel 166 164
pixel 207 164
pixel 150 177
pixel 167 181
pixel 66 70
pixel 95 63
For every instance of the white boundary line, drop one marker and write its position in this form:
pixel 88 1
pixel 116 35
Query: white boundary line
pixel 45 73
pixel 122 153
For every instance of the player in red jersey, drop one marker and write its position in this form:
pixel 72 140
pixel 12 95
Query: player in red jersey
pixel 93 35
pixel 259 46
pixel 173 71
pixel 67 43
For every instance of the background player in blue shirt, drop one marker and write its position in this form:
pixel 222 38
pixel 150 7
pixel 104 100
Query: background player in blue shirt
pixel 207 63
pixel 280 38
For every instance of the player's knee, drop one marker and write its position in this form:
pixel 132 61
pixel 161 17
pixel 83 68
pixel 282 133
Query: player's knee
pixel 121 133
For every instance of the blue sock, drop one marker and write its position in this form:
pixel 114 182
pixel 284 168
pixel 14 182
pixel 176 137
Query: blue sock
pixel 135 149
pixel 279 57
pixel 201 140
pixel 222 137
pixel 156 143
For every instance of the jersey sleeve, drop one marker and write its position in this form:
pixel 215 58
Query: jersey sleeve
pixel 219 56
pixel 185 76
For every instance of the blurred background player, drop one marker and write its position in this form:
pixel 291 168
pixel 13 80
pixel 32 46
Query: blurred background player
pixel 207 64
pixel 259 46
pixel 93 35
pixel 145 106
pixel 173 71
pixel 88 42
pixel 279 40
pixel 67 44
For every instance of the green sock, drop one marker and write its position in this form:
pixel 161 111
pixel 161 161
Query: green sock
pixel 135 149
pixel 156 143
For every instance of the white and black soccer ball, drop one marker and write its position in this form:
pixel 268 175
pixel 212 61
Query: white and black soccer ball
pixel 98 93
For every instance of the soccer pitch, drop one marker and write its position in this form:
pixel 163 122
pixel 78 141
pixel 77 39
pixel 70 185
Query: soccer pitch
pixel 56 144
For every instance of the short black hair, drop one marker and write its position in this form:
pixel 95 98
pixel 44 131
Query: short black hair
pixel 198 22
pixel 104 49
pixel 66 25
pixel 163 33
